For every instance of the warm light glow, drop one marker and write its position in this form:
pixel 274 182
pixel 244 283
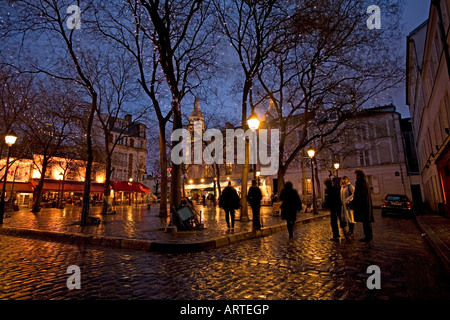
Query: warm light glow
pixel 258 173
pixel 336 166
pixel 253 122
pixel 60 176
pixel 311 153
pixel 10 139
pixel 202 180
pixel 100 178
pixel 228 178
pixel 36 174
pixel 131 179
pixel 190 181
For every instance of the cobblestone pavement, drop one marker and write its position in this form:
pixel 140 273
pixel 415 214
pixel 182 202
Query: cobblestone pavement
pixel 307 267
pixel 135 223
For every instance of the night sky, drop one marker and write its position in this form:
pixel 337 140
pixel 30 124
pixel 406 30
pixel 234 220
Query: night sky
pixel 415 12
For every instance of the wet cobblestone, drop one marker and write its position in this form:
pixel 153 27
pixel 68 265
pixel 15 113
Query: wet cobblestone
pixel 132 222
pixel 274 268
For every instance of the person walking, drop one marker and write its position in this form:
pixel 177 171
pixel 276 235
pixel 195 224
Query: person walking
pixel 228 201
pixel 362 205
pixel 333 203
pixel 254 197
pixel 347 214
pixel 291 203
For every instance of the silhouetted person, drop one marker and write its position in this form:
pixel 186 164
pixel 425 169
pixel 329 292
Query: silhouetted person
pixel 333 203
pixel 291 204
pixel 228 201
pixel 254 198
pixel 362 204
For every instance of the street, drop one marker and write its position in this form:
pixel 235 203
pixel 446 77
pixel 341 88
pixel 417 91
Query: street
pixel 308 267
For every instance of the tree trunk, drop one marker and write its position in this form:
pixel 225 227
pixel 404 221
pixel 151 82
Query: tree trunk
pixel 163 163
pixel 106 191
pixel 244 207
pixel 175 183
pixel 38 192
pixel 90 160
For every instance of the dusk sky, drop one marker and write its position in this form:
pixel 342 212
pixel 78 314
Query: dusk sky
pixel 416 12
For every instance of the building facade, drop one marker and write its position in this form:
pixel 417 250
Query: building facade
pixel 374 141
pixel 428 97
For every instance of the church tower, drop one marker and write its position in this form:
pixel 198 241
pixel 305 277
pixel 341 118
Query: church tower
pixel 196 115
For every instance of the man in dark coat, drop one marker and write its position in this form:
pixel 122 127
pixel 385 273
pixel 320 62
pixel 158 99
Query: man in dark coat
pixel 291 204
pixel 229 201
pixel 333 203
pixel 254 198
pixel 362 204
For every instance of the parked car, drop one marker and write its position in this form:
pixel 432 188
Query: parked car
pixel 397 204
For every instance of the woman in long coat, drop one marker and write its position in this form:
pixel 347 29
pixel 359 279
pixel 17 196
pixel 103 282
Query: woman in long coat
pixel 291 204
pixel 347 216
pixel 362 204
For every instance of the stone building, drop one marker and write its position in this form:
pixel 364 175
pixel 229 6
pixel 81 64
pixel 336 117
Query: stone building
pixel 428 97
pixel 372 140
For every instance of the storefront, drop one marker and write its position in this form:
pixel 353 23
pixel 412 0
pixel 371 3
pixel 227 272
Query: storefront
pixel 127 192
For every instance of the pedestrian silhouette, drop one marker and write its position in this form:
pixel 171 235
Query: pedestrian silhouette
pixel 333 203
pixel 291 203
pixel 254 197
pixel 362 203
pixel 229 201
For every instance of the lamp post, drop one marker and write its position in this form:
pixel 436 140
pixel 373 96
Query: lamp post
pixel 130 183
pixel 253 124
pixel 60 178
pixel 10 139
pixel 311 154
pixel 336 168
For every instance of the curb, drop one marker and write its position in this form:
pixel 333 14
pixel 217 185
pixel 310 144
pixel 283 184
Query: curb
pixel 148 245
pixel 440 248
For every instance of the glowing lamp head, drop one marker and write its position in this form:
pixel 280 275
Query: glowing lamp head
pixel 10 139
pixel 336 166
pixel 253 122
pixel 311 153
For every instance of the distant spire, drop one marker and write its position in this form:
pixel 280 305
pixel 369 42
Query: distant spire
pixel 196 113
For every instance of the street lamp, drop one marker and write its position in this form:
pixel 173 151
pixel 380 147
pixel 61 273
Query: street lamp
pixel 336 168
pixel 253 124
pixel 10 139
pixel 60 178
pixel 130 183
pixel 311 154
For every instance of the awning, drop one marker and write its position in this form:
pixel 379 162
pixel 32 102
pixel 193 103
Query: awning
pixel 69 186
pixel 126 186
pixel 21 187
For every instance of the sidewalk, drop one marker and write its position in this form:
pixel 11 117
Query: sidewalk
pixel 138 228
pixel 436 230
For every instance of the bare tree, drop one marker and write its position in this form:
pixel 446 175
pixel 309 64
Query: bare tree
pixel 71 55
pixel 254 30
pixel 332 65
pixel 182 39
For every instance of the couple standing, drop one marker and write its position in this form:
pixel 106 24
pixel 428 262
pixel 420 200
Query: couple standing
pixel 351 205
pixel 230 201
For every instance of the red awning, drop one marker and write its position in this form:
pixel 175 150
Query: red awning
pixel 69 186
pixel 21 187
pixel 126 186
